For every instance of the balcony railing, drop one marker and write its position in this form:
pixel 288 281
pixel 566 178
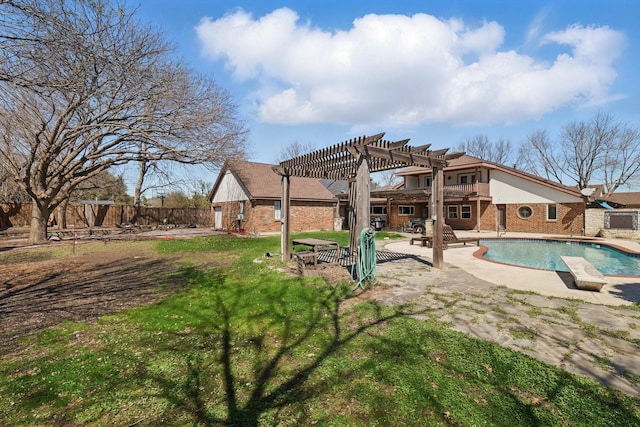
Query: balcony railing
pixel 475 189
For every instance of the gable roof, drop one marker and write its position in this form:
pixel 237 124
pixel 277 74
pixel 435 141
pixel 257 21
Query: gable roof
pixel 466 161
pixel 259 181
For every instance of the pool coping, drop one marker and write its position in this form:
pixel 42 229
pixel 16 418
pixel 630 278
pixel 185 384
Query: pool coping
pixel 620 290
pixel 483 249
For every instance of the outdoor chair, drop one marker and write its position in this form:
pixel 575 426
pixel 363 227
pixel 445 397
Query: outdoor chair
pixel 449 237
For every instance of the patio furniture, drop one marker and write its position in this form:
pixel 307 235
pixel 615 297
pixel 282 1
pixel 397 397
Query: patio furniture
pixel 304 258
pixel 424 240
pixel 318 245
pixel 449 237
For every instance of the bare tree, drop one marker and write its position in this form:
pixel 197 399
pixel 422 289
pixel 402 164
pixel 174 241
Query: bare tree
pixel 388 178
pixel 294 149
pixel 85 87
pixel 10 191
pixel 479 146
pixel 602 150
pixel 622 161
pixel 104 186
pixel 538 156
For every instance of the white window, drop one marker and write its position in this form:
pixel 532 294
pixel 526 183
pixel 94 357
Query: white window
pixel 465 212
pixel 405 210
pixel 452 211
pixel 277 210
pixel 552 212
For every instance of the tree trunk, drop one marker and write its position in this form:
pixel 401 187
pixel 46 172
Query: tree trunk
pixel 39 217
pixel 137 194
pixel 5 222
pixel 62 215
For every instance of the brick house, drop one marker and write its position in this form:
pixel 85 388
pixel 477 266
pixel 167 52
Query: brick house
pixel 247 196
pixel 481 195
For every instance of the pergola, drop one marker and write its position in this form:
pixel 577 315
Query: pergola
pixel 354 160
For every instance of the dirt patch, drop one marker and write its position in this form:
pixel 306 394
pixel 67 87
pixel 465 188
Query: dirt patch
pixel 42 293
pixel 39 290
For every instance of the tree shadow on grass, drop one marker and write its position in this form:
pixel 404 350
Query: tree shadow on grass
pixel 246 354
pixel 258 367
pixel 264 379
pixel 41 296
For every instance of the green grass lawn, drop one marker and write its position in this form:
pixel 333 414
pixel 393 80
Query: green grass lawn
pixel 243 344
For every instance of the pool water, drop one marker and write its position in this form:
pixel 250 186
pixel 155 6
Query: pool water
pixel 545 254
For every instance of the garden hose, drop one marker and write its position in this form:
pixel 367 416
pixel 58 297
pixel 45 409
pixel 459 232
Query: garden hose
pixel 366 258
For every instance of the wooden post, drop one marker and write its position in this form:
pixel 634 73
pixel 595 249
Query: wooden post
pixel 478 204
pixel 285 217
pixel 438 192
pixel 352 215
pixel 388 217
pixel 363 195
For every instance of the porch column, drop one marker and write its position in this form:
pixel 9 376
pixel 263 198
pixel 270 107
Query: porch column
pixel 284 218
pixel 478 204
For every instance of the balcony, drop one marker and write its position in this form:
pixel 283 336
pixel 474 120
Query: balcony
pixel 457 190
pixel 475 189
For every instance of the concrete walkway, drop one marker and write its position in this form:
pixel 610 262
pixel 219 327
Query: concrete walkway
pixel 539 313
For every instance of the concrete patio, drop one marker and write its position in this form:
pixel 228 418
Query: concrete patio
pixel 539 313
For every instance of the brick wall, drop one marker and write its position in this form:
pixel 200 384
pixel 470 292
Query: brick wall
pixel 395 221
pixel 259 216
pixel 570 219
pixel 487 216
pixel 570 216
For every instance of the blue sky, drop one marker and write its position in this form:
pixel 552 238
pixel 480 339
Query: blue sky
pixel 439 72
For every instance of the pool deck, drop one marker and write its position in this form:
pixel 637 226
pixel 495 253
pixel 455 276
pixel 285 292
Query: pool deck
pixel 619 290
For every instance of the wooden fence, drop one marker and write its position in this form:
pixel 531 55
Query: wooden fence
pixel 86 215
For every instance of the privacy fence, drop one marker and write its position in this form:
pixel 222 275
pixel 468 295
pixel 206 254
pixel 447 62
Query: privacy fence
pixel 96 215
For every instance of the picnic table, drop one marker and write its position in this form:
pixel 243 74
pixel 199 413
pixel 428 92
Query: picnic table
pixel 311 256
pixel 317 244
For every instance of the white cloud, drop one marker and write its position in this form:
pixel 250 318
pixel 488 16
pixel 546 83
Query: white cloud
pixel 397 70
pixel 536 26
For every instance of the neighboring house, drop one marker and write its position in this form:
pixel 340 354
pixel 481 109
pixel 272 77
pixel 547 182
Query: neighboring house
pixel 481 195
pixel 247 197
pixel 627 200
pixel 614 216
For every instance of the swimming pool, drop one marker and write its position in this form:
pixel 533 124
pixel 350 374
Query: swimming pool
pixel 545 254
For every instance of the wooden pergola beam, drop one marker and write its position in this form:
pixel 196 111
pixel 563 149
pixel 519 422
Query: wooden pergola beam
pixel 355 160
